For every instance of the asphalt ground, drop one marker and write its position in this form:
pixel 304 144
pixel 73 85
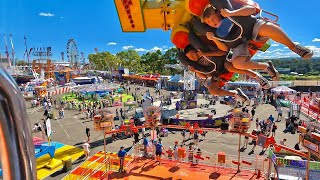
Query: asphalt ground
pixel 71 131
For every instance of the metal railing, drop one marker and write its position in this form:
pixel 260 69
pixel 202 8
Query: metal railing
pixel 88 169
pixel 105 163
pixel 257 163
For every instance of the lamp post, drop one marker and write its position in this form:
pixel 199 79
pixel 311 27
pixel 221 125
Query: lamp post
pixel 239 153
pixel 308 165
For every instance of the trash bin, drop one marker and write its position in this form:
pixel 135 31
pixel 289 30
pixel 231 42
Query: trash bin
pixel 67 163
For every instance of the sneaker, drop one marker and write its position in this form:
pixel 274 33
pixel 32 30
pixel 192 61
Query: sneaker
pixel 241 95
pixel 273 72
pixel 264 83
pixel 304 52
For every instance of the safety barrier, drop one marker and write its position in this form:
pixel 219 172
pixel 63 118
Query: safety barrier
pixel 219 160
pixel 58 91
pixel 304 103
pixel 296 83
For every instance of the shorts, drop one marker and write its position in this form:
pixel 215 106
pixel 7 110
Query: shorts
pixel 158 153
pixel 243 50
pixel 254 142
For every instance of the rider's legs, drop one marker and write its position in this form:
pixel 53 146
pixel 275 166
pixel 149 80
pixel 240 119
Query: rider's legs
pixel 270 30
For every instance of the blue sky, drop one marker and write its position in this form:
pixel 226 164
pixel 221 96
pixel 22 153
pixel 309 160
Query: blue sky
pixel 95 24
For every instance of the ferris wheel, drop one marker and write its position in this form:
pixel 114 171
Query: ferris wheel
pixel 72 52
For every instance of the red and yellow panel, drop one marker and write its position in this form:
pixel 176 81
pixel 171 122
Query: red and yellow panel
pixel 130 15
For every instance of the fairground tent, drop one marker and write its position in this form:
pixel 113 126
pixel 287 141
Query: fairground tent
pixel 283 89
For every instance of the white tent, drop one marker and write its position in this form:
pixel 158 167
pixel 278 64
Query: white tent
pixel 283 89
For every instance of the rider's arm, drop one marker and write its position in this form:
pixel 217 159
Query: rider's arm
pixel 222 46
pixel 244 11
pixel 214 53
pixel 201 75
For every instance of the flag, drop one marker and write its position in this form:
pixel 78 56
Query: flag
pixel 62 56
pixel 49 51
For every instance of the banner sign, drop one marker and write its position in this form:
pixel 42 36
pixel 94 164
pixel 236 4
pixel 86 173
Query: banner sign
pixel 48 125
pixel 311 145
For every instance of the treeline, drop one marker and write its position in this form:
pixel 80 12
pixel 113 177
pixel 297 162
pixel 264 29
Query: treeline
pixel 154 62
pixel 308 67
pixel 150 62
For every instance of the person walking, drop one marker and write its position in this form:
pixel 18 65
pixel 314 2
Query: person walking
pixel 274 128
pixel 159 149
pixel 279 118
pixel 86 149
pixel 145 145
pixel 175 150
pixel 246 140
pixel 88 133
pixel 183 133
pixel 196 139
pixel 253 112
pixel 121 154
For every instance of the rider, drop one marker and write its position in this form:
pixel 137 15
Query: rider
pixel 254 29
pixel 190 57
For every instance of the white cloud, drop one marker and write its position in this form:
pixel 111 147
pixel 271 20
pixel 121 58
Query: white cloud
pixel 140 49
pixel 274 54
pixel 156 48
pixel 127 47
pixel 316 40
pixel 46 14
pixel 112 44
pixel 296 42
pixel 277 50
pixel 275 45
pixel 316 50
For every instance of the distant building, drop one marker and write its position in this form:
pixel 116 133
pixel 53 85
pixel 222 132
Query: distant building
pixel 283 70
pixel 65 64
pixel 280 70
pixel 4 62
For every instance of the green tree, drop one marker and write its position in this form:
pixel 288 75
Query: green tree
pixel 104 61
pixel 130 59
pixel 21 63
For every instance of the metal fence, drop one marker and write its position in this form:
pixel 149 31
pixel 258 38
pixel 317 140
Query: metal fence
pixel 218 160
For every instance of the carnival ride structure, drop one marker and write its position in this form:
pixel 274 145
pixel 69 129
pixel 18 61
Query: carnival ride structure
pixel 138 16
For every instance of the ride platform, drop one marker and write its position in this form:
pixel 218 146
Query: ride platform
pixel 140 168
pixel 147 169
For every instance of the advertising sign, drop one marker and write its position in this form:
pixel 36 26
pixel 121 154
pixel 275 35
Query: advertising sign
pixel 310 145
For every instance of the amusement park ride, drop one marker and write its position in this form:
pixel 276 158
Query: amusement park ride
pixel 140 15
pixel 43 63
